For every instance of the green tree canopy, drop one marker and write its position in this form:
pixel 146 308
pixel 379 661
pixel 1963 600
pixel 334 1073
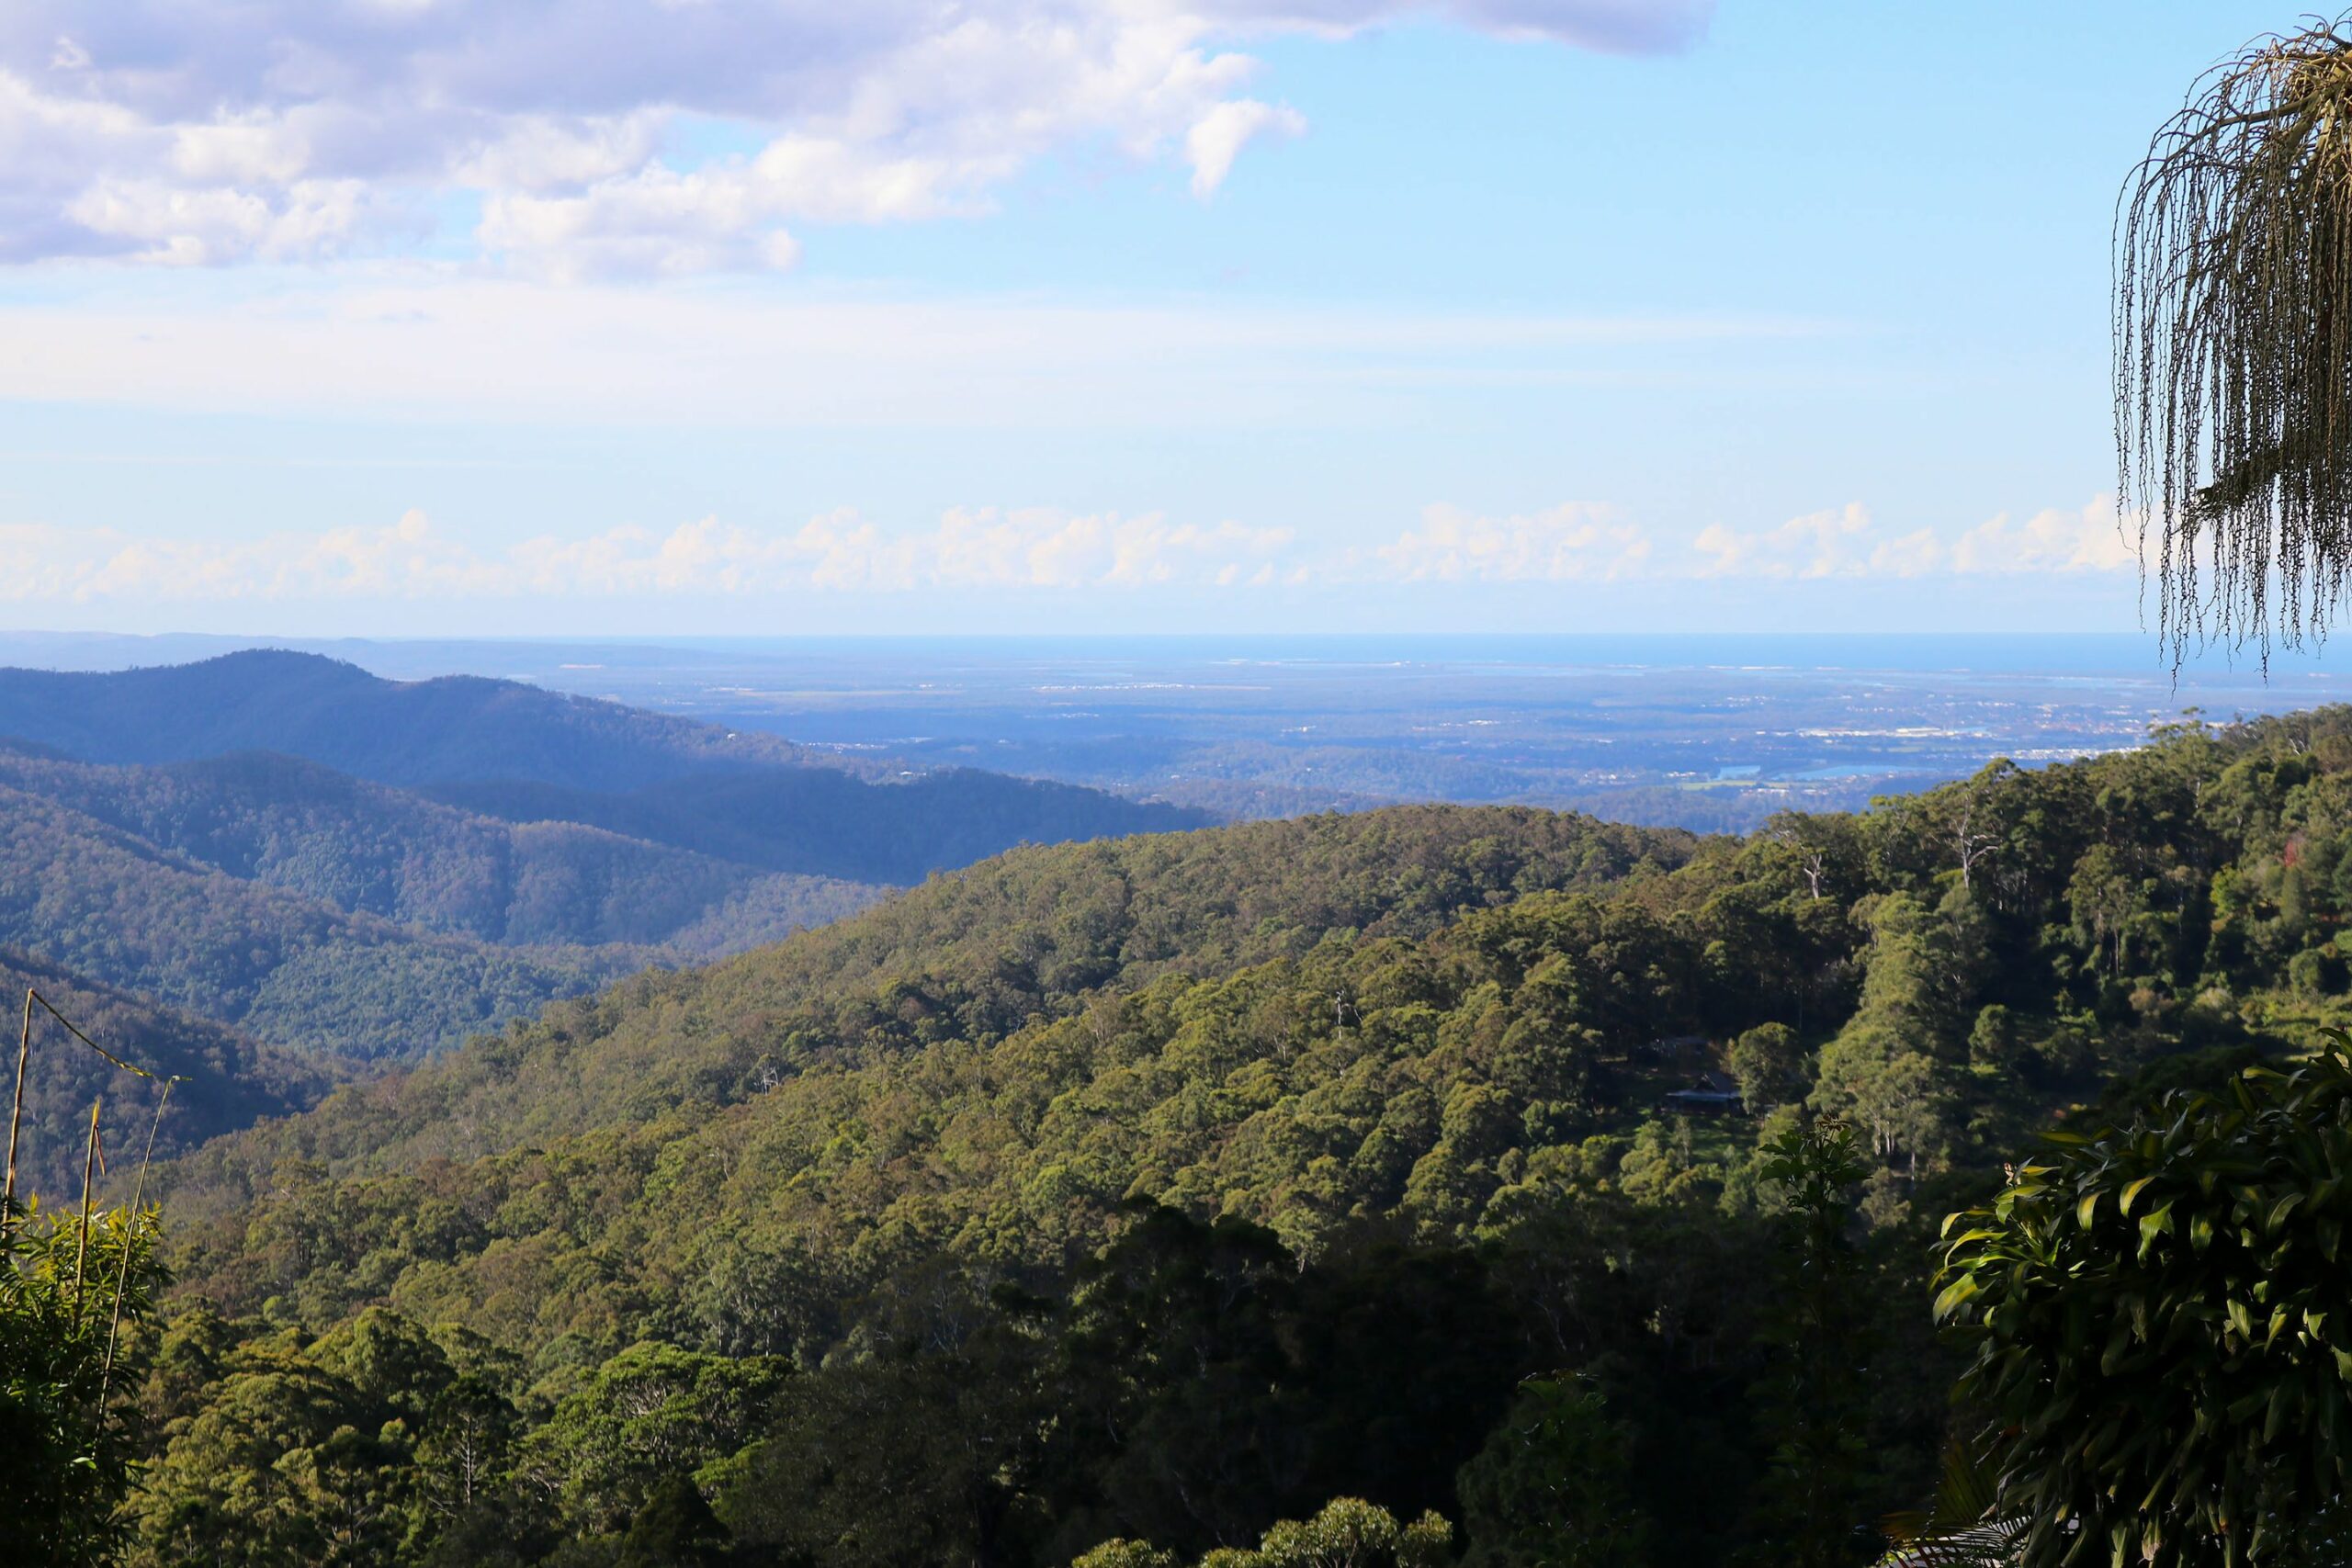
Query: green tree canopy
pixel 1550 1489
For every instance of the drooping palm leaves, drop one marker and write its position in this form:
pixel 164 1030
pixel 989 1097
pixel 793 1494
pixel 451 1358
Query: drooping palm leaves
pixel 2233 345
pixel 1965 1527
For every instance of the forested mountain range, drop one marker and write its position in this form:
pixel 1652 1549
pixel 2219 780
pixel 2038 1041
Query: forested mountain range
pixel 972 1228
pixel 505 749
pixel 315 908
pixel 193 911
pixel 368 849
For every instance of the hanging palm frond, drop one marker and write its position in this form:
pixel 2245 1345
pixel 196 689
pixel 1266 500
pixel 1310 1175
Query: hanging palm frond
pixel 1965 1526
pixel 2234 346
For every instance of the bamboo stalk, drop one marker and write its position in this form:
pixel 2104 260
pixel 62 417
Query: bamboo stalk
pixel 17 1112
pixel 82 1251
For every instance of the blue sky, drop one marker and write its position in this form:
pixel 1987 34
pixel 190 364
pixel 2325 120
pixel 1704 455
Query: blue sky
pixel 1576 315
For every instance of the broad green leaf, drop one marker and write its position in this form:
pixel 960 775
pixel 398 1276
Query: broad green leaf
pixel 2280 1210
pixel 1956 1295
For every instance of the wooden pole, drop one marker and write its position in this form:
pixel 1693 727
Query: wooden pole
pixel 17 1112
pixel 81 1251
pixel 129 1234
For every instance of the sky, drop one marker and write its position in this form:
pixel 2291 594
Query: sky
pixel 742 317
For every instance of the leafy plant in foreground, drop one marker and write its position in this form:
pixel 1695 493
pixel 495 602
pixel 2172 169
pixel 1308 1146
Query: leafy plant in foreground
pixel 65 1447
pixel 2161 1313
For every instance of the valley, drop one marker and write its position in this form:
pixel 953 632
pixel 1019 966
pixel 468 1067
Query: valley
pixel 1244 1141
pixel 316 924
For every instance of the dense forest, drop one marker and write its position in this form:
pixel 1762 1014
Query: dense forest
pixel 1327 1181
pixel 76 891
pixel 367 849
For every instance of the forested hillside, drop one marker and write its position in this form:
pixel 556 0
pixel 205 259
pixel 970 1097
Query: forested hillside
pixel 830 823
pixel 77 892
pixel 975 954
pixel 230 1079
pixel 837 1212
pixel 368 849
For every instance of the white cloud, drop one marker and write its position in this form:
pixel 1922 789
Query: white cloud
pixel 1218 138
pixel 214 131
pixel 1016 549
pixel 1846 542
pixel 405 557
pixel 1841 542
pixel 183 227
pixel 550 153
pixel 971 549
pixel 652 222
pixel 2091 538
pixel 1570 543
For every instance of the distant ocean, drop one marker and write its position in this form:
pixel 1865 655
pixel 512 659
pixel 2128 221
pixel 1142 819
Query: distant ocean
pixel 2084 653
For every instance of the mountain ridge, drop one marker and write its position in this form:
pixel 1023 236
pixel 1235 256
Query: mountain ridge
pixel 372 849
pixel 400 732
pixel 522 754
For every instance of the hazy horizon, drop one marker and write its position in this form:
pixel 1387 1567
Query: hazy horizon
pixel 1711 732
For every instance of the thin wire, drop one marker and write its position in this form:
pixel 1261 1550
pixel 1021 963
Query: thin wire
pixel 75 1030
pixel 130 1234
pixel 139 1195
pixel 7 1209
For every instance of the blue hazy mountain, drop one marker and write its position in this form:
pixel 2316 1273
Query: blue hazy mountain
pixel 526 754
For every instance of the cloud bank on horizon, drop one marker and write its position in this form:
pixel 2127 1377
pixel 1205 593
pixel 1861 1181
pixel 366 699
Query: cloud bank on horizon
pixel 568 138
pixel 1035 549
